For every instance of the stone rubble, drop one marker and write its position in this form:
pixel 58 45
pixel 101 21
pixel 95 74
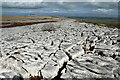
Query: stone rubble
pixel 73 50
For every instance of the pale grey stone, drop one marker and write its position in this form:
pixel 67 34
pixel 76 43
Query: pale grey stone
pixel 75 50
pixel 90 67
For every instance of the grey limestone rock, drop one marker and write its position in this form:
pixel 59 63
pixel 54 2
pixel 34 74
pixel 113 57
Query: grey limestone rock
pixel 71 50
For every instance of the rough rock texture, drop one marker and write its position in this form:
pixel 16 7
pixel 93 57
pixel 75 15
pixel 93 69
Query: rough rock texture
pixel 72 50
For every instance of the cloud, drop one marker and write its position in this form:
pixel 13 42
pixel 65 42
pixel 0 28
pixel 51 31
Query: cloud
pixel 107 5
pixel 37 5
pixel 60 0
pixel 55 11
pixel 90 0
pixel 24 5
pixel 103 10
pixel 67 5
pixel 62 4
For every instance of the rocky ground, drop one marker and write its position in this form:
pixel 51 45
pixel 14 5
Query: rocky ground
pixel 68 50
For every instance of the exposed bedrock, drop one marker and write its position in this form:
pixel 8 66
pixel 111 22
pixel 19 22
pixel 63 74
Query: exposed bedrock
pixel 71 51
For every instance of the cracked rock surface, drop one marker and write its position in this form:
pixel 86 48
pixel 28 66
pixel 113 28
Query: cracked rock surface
pixel 72 50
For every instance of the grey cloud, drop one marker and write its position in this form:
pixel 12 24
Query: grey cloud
pixel 63 5
pixel 106 5
pixel 90 0
pixel 67 5
pixel 36 5
pixel 61 0
pixel 24 5
pixel 103 4
pixel 91 4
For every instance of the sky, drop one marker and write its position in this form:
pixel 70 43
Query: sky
pixel 61 8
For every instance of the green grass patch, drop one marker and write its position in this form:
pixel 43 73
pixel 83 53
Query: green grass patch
pixel 109 22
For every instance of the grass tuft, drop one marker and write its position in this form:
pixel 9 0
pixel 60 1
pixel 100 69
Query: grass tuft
pixel 48 27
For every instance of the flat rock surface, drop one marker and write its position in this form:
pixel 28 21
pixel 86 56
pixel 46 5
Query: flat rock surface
pixel 64 49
